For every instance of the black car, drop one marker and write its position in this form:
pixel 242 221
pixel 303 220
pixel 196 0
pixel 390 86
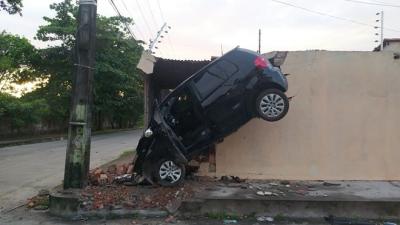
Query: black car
pixel 205 108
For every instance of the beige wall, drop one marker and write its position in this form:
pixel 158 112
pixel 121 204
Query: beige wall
pixel 343 123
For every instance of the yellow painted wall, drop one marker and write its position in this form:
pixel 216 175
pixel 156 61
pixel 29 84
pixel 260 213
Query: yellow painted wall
pixel 343 123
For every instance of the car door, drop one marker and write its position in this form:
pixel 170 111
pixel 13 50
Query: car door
pixel 221 96
pixel 184 119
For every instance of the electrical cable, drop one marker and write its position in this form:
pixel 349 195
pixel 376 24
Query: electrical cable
pixel 122 19
pixel 169 39
pixel 131 15
pixel 144 18
pixel 151 13
pixel 332 16
pixel 372 3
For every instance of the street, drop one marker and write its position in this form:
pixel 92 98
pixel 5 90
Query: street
pixel 26 169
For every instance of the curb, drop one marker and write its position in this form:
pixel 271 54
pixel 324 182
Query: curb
pixel 120 214
pixel 292 210
pixel 54 138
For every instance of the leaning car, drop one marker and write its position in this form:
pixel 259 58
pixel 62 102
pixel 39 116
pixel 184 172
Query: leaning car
pixel 205 108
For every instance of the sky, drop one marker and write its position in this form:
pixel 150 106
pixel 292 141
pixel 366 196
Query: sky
pixel 202 28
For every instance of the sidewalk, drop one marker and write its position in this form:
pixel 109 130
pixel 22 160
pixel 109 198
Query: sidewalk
pixel 51 137
pixel 297 199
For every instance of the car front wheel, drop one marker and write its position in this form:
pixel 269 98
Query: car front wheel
pixel 272 105
pixel 169 173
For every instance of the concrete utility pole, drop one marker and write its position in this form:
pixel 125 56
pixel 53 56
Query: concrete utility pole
pixel 79 132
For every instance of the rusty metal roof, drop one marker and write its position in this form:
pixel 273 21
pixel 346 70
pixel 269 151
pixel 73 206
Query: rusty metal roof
pixel 169 73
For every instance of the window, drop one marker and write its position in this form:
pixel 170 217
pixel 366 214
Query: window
pixel 212 78
pixel 223 69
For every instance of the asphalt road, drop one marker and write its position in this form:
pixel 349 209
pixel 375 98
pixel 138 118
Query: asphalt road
pixel 26 169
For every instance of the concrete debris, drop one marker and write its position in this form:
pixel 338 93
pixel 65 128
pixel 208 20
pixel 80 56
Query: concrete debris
pixel 39 202
pixel 265 219
pixel 330 184
pixel 230 221
pixel 117 196
pixel 170 219
pixel 103 179
pixel 232 179
pixel 284 182
pixel 268 193
pixel 261 193
pixel 389 223
pixel 112 169
pixel 123 178
pixel 114 174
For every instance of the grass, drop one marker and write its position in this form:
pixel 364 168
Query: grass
pixel 222 216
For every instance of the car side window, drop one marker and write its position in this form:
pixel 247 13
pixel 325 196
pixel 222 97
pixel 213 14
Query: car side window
pixel 223 69
pixel 213 77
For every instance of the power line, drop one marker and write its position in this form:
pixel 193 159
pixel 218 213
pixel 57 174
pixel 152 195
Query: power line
pixel 130 14
pixel 161 12
pixel 372 3
pixel 122 19
pixel 331 16
pixel 169 39
pixel 144 18
pixel 151 13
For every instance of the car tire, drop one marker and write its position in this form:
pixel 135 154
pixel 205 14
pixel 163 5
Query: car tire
pixel 169 173
pixel 272 105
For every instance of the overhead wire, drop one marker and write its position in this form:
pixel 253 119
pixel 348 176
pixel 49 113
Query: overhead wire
pixel 151 13
pixel 121 17
pixel 168 36
pixel 374 3
pixel 161 12
pixel 331 16
pixel 131 15
pixel 144 17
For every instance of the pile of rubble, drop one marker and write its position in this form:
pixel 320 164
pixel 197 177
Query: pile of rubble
pixel 107 190
pixel 117 196
pixel 40 201
pixel 114 173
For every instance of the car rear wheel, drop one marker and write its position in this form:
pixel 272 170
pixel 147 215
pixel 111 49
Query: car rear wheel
pixel 169 173
pixel 272 105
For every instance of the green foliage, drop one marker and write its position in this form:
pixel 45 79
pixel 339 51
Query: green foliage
pixel 117 86
pixel 16 58
pixel 19 113
pixel 11 6
pixel 117 90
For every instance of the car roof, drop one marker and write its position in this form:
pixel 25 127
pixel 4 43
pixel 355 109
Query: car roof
pixel 226 55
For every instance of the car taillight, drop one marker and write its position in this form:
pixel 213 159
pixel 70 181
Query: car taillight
pixel 260 62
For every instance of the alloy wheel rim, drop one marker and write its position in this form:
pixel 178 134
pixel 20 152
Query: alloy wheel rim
pixel 272 105
pixel 170 171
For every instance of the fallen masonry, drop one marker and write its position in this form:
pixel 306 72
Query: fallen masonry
pixel 108 196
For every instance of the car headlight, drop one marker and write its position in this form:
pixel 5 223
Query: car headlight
pixel 148 133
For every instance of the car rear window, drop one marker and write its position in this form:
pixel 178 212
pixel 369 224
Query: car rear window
pixel 213 77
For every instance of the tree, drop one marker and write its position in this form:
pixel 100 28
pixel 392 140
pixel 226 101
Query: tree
pixel 18 113
pixel 16 57
pixel 117 86
pixel 11 6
